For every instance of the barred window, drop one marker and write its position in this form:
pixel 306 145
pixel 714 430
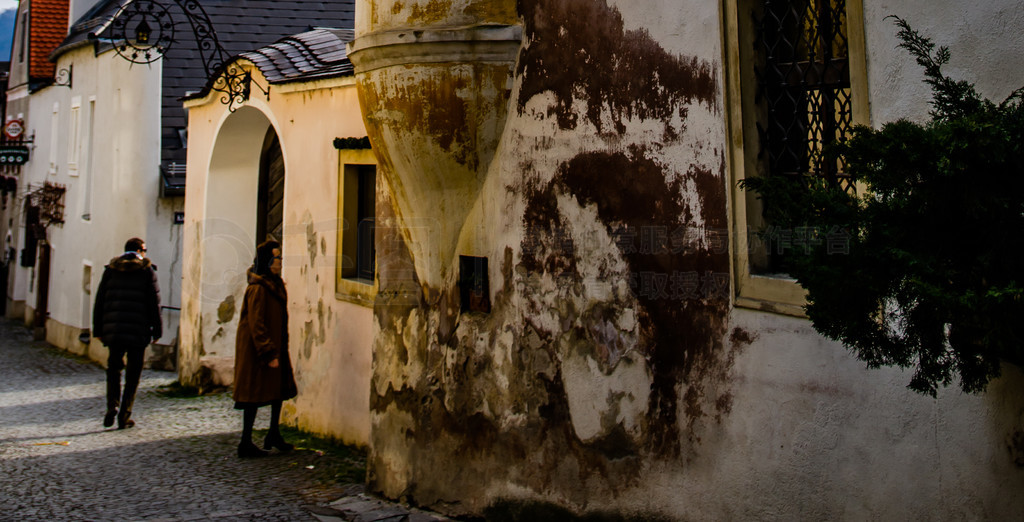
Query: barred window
pixel 804 83
pixel 796 82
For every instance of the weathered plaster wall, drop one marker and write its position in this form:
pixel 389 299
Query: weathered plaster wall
pixel 422 14
pixel 612 372
pixel 330 335
pixel 606 347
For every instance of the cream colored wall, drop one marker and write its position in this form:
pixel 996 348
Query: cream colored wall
pixel 122 166
pixel 329 337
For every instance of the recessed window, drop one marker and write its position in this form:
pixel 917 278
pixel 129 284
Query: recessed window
pixel 54 136
pixel 358 222
pixel 74 137
pixel 474 286
pixel 796 82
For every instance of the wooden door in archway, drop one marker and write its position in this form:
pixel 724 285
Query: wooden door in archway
pixel 270 207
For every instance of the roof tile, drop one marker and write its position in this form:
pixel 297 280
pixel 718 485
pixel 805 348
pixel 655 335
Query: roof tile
pixel 48 25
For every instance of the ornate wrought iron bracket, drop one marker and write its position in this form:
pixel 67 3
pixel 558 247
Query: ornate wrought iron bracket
pixel 49 197
pixel 64 76
pixel 143 31
pixel 235 84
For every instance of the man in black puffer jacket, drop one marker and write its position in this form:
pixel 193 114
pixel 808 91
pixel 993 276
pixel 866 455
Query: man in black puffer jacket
pixel 126 316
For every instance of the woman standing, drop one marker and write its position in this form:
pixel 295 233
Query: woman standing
pixel 263 371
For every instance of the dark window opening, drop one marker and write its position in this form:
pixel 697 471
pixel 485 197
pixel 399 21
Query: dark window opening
pixel 474 285
pixel 803 97
pixel 33 233
pixel 359 214
pixel 24 33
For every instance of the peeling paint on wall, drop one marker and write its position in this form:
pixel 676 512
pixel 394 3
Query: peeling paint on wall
pixel 580 50
pixel 680 336
pixel 226 309
pixel 311 238
pixel 600 352
pixel 606 366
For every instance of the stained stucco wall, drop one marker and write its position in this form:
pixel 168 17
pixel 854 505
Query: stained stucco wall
pixel 612 372
pixel 330 332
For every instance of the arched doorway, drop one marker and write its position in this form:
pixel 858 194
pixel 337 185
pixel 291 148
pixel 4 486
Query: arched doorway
pixel 244 203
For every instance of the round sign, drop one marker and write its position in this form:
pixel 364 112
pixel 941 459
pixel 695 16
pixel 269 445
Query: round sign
pixel 13 129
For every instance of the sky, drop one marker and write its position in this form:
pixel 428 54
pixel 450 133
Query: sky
pixel 7 14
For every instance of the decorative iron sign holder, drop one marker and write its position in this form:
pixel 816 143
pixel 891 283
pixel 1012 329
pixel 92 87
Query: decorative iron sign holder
pixel 49 198
pixel 143 31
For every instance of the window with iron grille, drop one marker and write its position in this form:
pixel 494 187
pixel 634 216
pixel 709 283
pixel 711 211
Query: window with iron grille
pixel 804 83
pixel 796 82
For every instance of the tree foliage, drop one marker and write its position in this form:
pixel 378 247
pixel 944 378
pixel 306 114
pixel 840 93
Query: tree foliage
pixel 933 275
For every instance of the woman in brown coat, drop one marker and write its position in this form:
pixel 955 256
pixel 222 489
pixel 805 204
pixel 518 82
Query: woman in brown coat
pixel 263 371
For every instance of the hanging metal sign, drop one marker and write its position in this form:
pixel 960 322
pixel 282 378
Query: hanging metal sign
pixel 14 129
pixel 13 155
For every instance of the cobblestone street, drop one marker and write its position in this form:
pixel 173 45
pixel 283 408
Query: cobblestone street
pixel 57 462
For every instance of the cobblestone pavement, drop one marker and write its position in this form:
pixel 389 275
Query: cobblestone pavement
pixel 57 462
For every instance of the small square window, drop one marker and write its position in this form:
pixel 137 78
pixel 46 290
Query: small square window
pixel 474 287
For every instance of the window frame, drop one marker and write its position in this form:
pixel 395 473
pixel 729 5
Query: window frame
pixel 54 138
pixel 349 287
pixel 74 135
pixel 770 293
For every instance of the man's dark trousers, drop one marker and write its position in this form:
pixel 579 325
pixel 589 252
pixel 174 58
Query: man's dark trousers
pixel 115 363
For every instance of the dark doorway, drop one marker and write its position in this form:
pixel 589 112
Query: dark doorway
pixel 42 291
pixel 270 206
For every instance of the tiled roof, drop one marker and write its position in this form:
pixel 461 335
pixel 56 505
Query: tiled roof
pixel 48 24
pixel 312 55
pixel 241 25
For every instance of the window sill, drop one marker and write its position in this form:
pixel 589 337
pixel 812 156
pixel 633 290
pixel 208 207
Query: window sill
pixel 357 291
pixel 772 294
pixel 771 307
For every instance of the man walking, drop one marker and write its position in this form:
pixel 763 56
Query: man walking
pixel 126 316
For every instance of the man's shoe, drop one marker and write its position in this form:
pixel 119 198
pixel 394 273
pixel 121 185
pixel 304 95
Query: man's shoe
pixel 124 422
pixel 248 450
pixel 276 441
pixel 108 419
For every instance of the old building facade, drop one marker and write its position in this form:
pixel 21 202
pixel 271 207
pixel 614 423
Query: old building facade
pixel 288 166
pixel 110 145
pixel 570 312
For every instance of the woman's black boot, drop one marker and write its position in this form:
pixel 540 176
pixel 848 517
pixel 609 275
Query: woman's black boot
pixel 275 440
pixel 248 450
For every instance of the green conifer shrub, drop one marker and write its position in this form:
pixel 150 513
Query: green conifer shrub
pixel 932 279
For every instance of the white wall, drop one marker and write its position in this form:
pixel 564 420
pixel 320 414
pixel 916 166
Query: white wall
pixel 985 39
pixel 121 162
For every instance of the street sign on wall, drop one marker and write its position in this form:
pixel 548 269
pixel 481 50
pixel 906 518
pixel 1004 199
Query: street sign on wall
pixel 13 154
pixel 13 129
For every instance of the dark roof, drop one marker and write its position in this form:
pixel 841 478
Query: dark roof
pixel 241 25
pixel 48 22
pixel 312 55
